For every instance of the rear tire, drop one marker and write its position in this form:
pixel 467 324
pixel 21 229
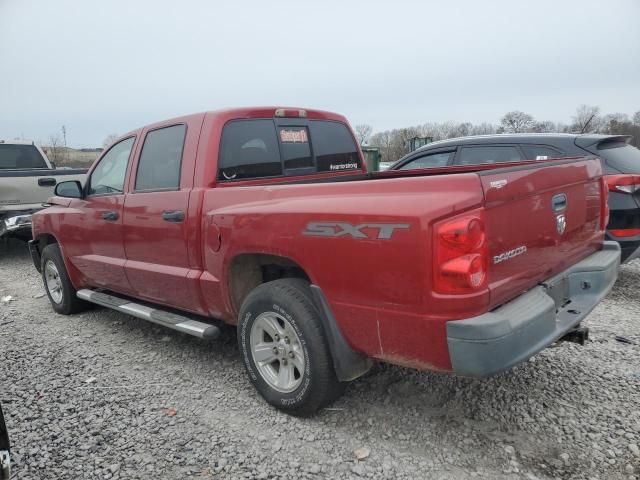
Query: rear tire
pixel 56 281
pixel 284 348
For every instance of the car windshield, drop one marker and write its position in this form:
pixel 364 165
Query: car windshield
pixel 20 156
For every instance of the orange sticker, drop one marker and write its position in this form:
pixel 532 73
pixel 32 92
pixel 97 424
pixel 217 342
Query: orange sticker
pixel 294 136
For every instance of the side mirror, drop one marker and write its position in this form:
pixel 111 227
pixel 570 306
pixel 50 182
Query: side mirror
pixel 53 165
pixel 70 189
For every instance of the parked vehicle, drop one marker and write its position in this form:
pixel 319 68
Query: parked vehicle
pixel 621 167
pixel 27 179
pixel 5 457
pixel 266 219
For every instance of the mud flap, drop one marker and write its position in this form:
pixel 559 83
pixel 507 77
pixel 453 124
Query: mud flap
pixel 348 363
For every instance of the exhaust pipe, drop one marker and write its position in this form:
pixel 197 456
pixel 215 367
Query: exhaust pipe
pixel 578 335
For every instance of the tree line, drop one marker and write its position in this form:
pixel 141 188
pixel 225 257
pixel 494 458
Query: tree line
pixel 395 143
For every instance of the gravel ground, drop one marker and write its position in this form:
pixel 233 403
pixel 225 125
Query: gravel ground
pixel 104 395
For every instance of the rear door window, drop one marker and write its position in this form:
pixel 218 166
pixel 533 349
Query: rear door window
pixel 488 154
pixel 161 159
pixel 438 159
pixel 540 152
pixel 20 156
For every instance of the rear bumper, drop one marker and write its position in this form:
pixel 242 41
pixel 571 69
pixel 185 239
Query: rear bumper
pixel 498 340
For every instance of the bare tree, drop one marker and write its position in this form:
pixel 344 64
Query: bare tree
pixel 516 122
pixel 544 126
pixel 383 140
pixel 109 140
pixel 483 129
pixel 363 133
pixel 636 118
pixel 55 151
pixel 586 119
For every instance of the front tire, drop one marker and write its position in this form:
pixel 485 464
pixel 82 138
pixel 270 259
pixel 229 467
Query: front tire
pixel 56 281
pixel 284 348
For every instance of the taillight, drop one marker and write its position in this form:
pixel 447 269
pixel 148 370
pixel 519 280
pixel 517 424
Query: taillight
pixel 624 232
pixel 623 183
pixel 604 203
pixel 461 254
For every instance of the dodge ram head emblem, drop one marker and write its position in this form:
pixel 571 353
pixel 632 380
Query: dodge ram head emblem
pixel 561 224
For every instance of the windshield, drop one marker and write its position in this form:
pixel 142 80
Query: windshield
pixel 20 156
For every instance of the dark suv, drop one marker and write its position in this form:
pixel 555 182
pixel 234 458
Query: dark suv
pixel 621 163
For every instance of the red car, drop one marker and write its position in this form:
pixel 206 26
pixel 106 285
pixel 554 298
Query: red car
pixel 266 218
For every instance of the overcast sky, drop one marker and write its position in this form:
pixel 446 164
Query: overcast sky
pixel 111 66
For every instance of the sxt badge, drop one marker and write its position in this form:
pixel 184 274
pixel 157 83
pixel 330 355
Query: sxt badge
pixel 340 229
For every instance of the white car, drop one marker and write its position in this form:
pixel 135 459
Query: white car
pixel 27 180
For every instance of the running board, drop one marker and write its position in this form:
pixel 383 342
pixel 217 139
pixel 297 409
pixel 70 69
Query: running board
pixel 161 317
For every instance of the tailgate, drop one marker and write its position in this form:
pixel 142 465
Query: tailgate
pixel 540 219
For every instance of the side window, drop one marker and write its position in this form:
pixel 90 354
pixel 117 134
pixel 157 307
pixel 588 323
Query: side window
pixel 488 154
pixel 333 146
pixel 249 149
pixel 108 176
pixel 294 143
pixel 540 152
pixel 439 159
pixel 161 159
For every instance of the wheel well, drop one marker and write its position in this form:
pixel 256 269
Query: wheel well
pixel 247 271
pixel 44 240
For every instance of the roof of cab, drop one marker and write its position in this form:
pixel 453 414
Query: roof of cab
pixel 227 114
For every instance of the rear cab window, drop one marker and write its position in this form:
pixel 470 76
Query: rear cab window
pixel 263 148
pixel 16 156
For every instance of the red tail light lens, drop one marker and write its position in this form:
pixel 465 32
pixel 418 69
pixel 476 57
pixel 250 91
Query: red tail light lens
pixel 623 183
pixel 461 254
pixel 625 232
pixel 604 205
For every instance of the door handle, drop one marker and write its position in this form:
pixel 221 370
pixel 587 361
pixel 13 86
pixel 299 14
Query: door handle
pixel 559 202
pixel 47 182
pixel 111 216
pixel 173 216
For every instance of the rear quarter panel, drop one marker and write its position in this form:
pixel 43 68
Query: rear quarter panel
pixel 379 290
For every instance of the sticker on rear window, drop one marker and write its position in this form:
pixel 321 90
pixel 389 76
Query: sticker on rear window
pixel 294 136
pixel 343 166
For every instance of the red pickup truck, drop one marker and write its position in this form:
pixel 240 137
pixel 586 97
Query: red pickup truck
pixel 267 219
